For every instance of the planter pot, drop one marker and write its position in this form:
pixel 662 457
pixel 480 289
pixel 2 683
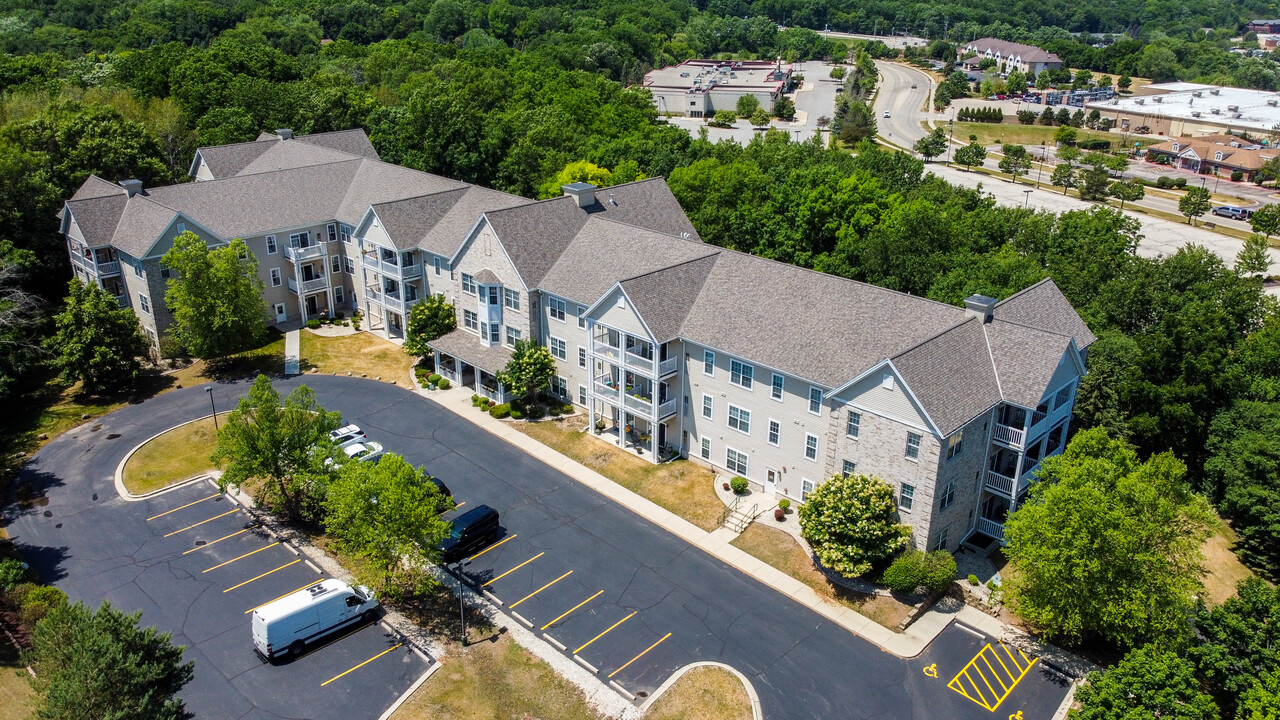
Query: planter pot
pixel 779 514
pixel 725 486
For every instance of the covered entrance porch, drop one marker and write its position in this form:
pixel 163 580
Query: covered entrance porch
pixel 466 362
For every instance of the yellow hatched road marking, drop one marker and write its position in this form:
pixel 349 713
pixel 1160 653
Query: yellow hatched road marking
pixel 473 557
pixel 197 502
pixel 624 667
pixel 606 632
pixel 575 607
pixel 304 587
pixel 526 562
pixel 215 517
pixel 215 542
pixel 246 582
pixel 254 552
pixel 980 675
pixel 535 592
pixel 366 662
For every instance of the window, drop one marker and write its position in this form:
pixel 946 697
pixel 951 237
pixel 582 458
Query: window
pixel 555 308
pixel 706 448
pixel 338 295
pixel 181 227
pixel 280 310
pixel 947 496
pixel 144 303
pixel 469 320
pixel 513 336
pixel 1217 155
pixel 349 265
pixel 806 487
pixel 853 425
pixel 275 277
pixel 468 284
pixel 137 268
pixel 740 374
pixel 941 542
pixel 707 405
pixel 955 444
pixel 582 394
pixel 913 445
pixel 495 333
pixel 335 263
pixel 298 239
pixel 271 245
pixel 559 386
pixel 436 263
pixel 511 298
pixel 484 331
pixel 1063 396
pixel 739 419
pixel 708 363
pixel 735 461
pixel 815 400
pixel 494 295
pixel 582 317
pixel 810 446
pixel 846 468
pixel 906 496
pixel 557 347
pixel 345 232
pixel 775 431
pixel 775 392
pixel 582 357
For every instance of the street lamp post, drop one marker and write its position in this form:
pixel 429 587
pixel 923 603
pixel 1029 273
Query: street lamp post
pixel 1026 198
pixel 214 408
pixel 951 134
pixel 1044 157
pixel 462 603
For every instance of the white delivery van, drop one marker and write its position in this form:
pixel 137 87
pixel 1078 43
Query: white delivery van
pixel 285 626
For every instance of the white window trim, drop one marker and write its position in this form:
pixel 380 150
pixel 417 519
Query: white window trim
pixel 742 366
pixel 804 494
pixel 728 417
pixel 335 260
pixel 857 425
pixel 339 296
pixel 910 498
pixel 769 431
pixel 782 387
pixel 436 263
pixel 708 359
pixel 746 461
pixel 708 412
pixel 274 274
pixel 582 356
pixel 821 398
pixel 817 450
pixel 563 344
pixel 704 448
pixel 555 305
pixel 144 303
pixel 272 247
pixel 919 444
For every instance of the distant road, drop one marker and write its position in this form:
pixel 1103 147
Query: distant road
pixel 893 41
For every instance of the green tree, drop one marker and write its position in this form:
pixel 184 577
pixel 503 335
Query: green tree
pixel 747 105
pixel 1147 683
pixel 1106 545
pixel 932 145
pixel 1266 219
pixel 1124 83
pixel 1096 182
pixel 759 118
pixel 1047 117
pixel 1064 176
pixel 96 342
pixel 972 154
pixel 724 118
pixel 388 513
pixel 529 371
pixel 1244 452
pixel 1127 191
pixel 858 124
pixel 1239 642
pixel 19 319
pixel 1016 83
pixel 102 665
pixel 1069 153
pixel 1254 257
pixel 1043 81
pixel 1016 161
pixel 1065 135
pixel 1194 203
pixel 784 109
pixel 215 296
pixel 428 320
pixel 579 171
pixel 851 522
pixel 280 445
pixel 1262 700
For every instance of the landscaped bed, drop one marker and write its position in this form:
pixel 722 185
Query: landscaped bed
pixel 176 455
pixel 361 354
pixel 706 693
pixel 679 486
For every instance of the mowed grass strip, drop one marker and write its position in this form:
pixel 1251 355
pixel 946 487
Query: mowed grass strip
pixel 780 550
pixel 177 455
pixel 679 486
pixel 359 354
pixel 708 693
pixel 17 699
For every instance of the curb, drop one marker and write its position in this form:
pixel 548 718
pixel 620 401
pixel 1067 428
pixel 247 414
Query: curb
pixel 119 474
pixel 757 713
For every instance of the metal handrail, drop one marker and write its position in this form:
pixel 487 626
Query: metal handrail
pixel 728 510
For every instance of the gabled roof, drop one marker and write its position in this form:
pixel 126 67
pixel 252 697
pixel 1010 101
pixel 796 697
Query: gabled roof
pixel 352 142
pixel 534 235
pixel 97 217
pixel 951 375
pixel 408 221
pixel 1026 359
pixel 645 203
pixel 227 160
pixel 1044 306
pixel 663 297
pixel 141 225
pixel 463 345
pixel 96 187
pixel 289 154
pixel 487 277
pixel 376 182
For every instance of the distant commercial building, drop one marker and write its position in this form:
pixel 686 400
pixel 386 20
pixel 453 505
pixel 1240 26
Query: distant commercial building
pixel 1265 26
pixel 1027 59
pixel 698 88
pixel 1212 154
pixel 1190 110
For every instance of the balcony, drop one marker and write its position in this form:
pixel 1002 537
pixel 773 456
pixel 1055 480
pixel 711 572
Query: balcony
pixel 643 364
pixel 999 484
pixel 1038 417
pixel 604 350
pixel 301 254
pixel 669 366
pixel 990 528
pixel 606 392
pixel 108 269
pixel 308 286
pixel 411 271
pixel 668 408
pixel 1011 436
pixel 640 405
pixel 123 300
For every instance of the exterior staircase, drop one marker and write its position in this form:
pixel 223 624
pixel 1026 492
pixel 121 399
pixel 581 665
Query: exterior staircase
pixel 738 516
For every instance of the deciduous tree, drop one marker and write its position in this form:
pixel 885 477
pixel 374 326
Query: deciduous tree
pixel 1194 203
pixel 529 371
pixel 851 522
pixel 1064 176
pixel 1127 191
pixel 1254 257
pixel 1147 683
pixel 1016 161
pixel 96 342
pixel 428 320
pixel 972 154
pixel 932 145
pixel 215 296
pixel 1266 219
pixel 747 105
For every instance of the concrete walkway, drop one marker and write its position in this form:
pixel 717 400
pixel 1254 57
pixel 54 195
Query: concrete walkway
pixel 292 351
pixel 717 543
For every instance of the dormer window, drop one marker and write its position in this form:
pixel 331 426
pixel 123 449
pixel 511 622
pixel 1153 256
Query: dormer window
pixel 1217 155
pixel 1176 146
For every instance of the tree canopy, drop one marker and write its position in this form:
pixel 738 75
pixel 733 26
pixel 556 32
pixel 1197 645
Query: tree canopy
pixel 428 320
pixel 852 521
pixel 215 296
pixel 96 342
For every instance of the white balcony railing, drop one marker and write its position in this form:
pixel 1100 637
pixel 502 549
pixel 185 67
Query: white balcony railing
pixel 1008 435
pixel 998 483
pixel 488 392
pixel 299 254
pixel 82 261
pixel 604 392
pixel 106 269
pixel 643 406
pixel 604 350
pixel 307 286
pixel 991 528
pixel 668 408
pixel 668 366
pixel 411 271
pixel 643 364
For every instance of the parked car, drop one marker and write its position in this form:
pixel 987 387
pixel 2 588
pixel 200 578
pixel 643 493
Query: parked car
pixel 1229 211
pixel 472 531
pixel 285 626
pixel 363 450
pixel 913 86
pixel 346 435
pixel 886 114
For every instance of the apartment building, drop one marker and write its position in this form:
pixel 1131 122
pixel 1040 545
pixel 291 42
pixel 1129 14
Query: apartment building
pixel 674 347
pixel 1009 56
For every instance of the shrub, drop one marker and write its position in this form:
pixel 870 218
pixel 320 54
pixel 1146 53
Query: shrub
pixel 12 573
pixel 434 378
pixel 500 411
pixel 553 409
pixel 339 314
pixel 784 504
pixel 566 409
pixel 1164 182
pixel 1180 183
pixel 738 484
pixel 313 324
pixel 38 601
pixel 973 579
pixel 443 384
pixel 940 570
pixel 475 400
pixel 906 573
pixel 517 414
pixel 535 412
pixel 1236 176
pixel 851 521
pixel 489 404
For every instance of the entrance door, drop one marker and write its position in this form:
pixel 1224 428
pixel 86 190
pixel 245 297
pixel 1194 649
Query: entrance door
pixel 312 307
pixel 771 481
pixel 281 315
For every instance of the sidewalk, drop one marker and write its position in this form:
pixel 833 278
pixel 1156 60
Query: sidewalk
pixel 292 350
pixel 717 543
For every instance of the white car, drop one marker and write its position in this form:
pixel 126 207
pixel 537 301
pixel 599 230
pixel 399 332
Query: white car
pixel 886 114
pixel 347 435
pixel 362 450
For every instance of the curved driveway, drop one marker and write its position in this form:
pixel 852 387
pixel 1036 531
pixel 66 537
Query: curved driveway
pixel 642 582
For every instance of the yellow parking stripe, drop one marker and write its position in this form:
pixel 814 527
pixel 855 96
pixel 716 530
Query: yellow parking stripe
pixel 215 517
pixel 304 587
pixel 996 674
pixel 526 562
pixel 535 592
pixel 473 557
pixel 246 582
pixel 366 662
pixel 215 542
pixel 197 502
pixel 606 632
pixel 978 675
pixel 575 607
pixel 624 667
pixel 1012 658
pixel 254 552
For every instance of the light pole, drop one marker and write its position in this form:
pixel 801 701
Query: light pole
pixel 1044 157
pixel 1026 198
pixel 462 603
pixel 951 133
pixel 214 408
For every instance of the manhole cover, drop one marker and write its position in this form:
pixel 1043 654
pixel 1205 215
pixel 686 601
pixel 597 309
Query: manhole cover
pixel 48 513
pixel 642 693
pixel 113 436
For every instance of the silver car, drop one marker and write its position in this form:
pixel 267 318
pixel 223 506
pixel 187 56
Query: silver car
pixel 347 435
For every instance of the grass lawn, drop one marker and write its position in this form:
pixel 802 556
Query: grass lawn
pixel 707 693
pixel 1224 566
pixel 679 486
pixel 779 549
pixel 496 680
pixel 177 455
pixel 1019 134
pixel 17 699
pixel 360 354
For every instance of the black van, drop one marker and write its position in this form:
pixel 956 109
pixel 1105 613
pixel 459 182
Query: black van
pixel 472 531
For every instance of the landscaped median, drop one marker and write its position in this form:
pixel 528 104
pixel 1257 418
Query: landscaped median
pixel 176 455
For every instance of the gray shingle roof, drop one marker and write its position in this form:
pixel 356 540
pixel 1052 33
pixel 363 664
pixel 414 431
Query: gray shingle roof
pixel 140 225
pixel 603 252
pixel 289 154
pixel 1044 306
pixel 663 298
pixel 647 204
pixel 467 347
pixel 95 187
pixel 227 160
pixel 487 277
pixel 408 221
pixel 951 375
pixel 1026 359
pixel 535 235
pixel 377 182
pixel 352 142
pixel 446 236
pixel 97 217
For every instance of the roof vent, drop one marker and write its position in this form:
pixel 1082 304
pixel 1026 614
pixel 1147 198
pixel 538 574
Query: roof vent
pixel 1157 98
pixel 612 200
pixel 284 134
pixel 1216 91
pixel 133 186
pixel 1272 102
pixel 1233 108
pixel 980 306
pixel 583 193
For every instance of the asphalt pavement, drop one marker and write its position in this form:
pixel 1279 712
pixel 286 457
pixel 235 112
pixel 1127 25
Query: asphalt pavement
pixel 625 597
